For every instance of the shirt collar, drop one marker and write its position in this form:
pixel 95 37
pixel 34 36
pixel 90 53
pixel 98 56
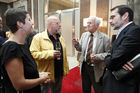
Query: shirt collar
pixel 94 34
pixel 50 36
pixel 119 31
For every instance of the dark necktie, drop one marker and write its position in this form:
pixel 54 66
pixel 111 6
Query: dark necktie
pixel 89 51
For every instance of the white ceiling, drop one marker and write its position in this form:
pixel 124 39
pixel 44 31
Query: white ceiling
pixel 8 1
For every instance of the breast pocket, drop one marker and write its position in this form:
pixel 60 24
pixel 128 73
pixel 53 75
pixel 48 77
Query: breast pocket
pixel 46 46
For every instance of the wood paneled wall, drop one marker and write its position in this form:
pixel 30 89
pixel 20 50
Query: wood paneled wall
pixel 84 13
pixel 102 11
pixel 29 7
pixel 35 3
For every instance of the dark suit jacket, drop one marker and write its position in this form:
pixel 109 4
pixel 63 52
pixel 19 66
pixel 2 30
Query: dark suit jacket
pixel 124 48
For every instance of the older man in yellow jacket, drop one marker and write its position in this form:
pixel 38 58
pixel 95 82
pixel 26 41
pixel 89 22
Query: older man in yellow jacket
pixel 43 49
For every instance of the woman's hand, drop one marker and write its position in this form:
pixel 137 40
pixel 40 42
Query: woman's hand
pixel 45 76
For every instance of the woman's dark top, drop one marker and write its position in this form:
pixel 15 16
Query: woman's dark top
pixel 2 40
pixel 12 50
pixel 2 33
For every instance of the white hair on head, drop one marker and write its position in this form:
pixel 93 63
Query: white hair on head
pixel 50 18
pixel 97 19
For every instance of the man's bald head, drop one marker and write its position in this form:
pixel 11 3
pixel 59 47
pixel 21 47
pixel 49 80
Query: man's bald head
pixel 51 19
pixel 53 24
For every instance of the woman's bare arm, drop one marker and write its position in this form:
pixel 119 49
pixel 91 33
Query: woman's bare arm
pixel 15 72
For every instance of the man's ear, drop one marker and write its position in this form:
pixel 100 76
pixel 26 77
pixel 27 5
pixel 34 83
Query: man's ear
pixel 125 16
pixel 97 25
pixel 19 24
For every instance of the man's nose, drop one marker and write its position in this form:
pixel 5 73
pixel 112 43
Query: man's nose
pixel 60 26
pixel 110 20
pixel 32 22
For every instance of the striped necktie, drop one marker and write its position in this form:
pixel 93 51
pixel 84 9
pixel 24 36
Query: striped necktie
pixel 89 51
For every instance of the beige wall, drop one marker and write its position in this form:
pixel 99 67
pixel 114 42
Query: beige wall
pixel 67 29
pixel 84 13
pixel 57 7
pixel 93 7
pixel 66 25
pixel 41 20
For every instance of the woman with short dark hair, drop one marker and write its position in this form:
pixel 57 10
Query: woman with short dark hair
pixel 17 65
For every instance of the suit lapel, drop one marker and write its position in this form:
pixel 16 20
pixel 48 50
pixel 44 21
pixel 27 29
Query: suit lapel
pixel 121 35
pixel 97 42
pixel 86 38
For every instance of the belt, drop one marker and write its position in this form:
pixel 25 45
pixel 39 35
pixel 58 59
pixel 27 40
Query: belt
pixel 91 64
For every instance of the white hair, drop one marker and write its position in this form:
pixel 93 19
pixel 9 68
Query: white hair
pixel 97 19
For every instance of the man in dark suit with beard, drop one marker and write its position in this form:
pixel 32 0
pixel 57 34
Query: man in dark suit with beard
pixel 124 48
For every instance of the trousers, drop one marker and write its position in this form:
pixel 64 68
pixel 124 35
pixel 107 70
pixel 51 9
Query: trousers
pixel 88 79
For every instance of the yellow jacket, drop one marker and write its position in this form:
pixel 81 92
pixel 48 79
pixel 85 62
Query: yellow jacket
pixel 43 52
